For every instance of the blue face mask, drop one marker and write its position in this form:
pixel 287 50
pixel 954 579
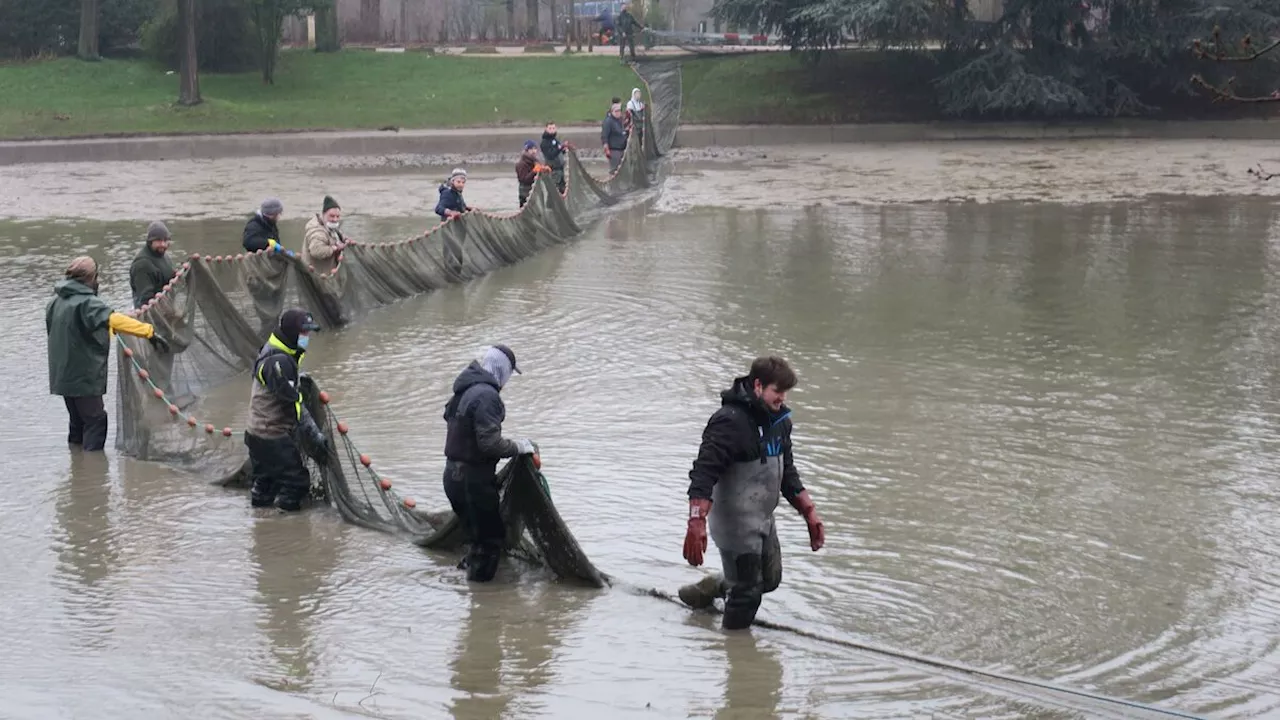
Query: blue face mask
pixel 303 341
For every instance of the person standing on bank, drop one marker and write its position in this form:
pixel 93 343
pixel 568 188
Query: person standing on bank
pixel 613 135
pixel 151 269
pixel 322 241
pixel 79 326
pixel 627 25
pixel 277 412
pixel 743 465
pixel 472 448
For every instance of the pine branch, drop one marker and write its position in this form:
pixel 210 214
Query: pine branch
pixel 1216 52
pixel 1224 93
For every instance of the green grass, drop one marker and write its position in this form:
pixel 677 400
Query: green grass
pixel 348 90
pixel 779 88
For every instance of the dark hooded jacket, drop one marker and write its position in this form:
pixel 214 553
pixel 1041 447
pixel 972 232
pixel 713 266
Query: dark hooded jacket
pixel 743 430
pixel 450 199
pixel 474 415
pixel 148 274
pixel 258 231
pixel 78 324
pixel 552 150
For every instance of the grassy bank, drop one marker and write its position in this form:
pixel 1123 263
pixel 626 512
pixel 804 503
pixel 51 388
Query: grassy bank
pixel 348 90
pixel 857 87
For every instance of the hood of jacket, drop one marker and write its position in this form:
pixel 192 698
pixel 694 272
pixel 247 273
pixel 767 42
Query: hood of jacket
pixel 470 376
pixel 474 374
pixel 69 288
pixel 743 395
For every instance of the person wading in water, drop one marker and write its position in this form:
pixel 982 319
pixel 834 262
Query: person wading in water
pixel 743 465
pixel 79 325
pixel 472 448
pixel 277 412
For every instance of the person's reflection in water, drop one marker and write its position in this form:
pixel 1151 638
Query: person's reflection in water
pixel 477 667
pixel 755 679
pixel 87 551
pixel 295 555
pixel 531 628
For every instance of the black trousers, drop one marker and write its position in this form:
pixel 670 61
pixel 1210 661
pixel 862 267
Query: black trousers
pixel 747 578
pixel 277 472
pixel 473 492
pixel 524 194
pixel 88 427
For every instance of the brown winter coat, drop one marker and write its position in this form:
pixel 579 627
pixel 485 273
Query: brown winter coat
pixel 320 246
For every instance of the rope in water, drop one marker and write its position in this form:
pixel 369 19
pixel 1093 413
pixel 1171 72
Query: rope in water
pixel 943 664
pixel 385 487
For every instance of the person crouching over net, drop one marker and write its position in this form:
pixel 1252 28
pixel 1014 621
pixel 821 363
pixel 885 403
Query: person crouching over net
pixel 472 447
pixel 276 412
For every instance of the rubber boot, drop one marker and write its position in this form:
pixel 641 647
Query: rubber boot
pixel 702 594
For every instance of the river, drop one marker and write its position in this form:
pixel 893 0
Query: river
pixel 1042 435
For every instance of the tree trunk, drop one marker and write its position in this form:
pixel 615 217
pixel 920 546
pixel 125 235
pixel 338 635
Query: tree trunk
pixel 531 18
pixel 371 20
pixel 555 26
pixel 511 19
pixel 88 30
pixel 188 69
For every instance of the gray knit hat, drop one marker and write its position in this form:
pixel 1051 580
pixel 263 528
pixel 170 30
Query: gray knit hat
pixel 158 231
pixel 272 206
pixel 457 172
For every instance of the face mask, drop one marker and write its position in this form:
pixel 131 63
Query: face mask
pixel 332 225
pixel 303 341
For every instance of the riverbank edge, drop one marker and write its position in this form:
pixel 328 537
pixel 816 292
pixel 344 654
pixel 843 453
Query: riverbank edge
pixel 505 140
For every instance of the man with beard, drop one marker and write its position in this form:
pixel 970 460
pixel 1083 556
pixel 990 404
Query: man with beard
pixel 744 464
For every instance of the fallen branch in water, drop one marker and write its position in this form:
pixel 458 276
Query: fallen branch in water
pixel 1261 174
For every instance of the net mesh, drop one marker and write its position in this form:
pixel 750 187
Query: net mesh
pixel 219 310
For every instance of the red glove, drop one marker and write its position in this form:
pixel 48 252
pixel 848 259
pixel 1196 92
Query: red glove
pixel 695 539
pixel 804 504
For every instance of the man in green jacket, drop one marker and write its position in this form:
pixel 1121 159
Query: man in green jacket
pixel 151 269
pixel 79 325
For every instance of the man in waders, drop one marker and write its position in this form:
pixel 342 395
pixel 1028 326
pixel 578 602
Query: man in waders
pixel 79 325
pixel 553 154
pixel 277 412
pixel 472 447
pixel 527 170
pixel 151 269
pixel 743 465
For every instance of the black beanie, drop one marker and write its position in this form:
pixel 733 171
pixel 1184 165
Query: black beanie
pixel 330 203
pixel 292 322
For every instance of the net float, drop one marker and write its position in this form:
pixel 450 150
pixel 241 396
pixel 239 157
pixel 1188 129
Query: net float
pixel 342 428
pixel 193 257
pixel 191 422
pixel 365 460
pixel 128 352
pixel 159 393
pixel 173 409
pixel 537 461
pixel 410 503
pixel 324 397
pixel 142 373
pixel 209 428
pixel 385 484
pixel 226 432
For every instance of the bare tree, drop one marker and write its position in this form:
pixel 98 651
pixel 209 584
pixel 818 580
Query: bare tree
pixel 188 68
pixel 88 49
pixel 1217 52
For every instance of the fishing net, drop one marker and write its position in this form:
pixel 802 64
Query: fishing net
pixel 219 310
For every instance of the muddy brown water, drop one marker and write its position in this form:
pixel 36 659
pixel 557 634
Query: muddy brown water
pixel 1043 437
